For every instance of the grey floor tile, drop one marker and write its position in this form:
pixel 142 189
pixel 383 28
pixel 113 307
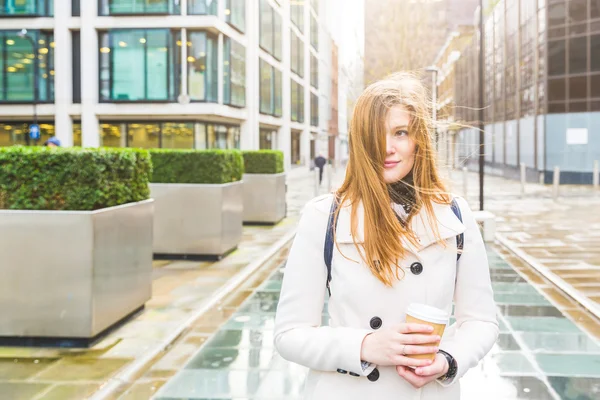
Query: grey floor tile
pixel 531 299
pixel 519 310
pixel 542 324
pixel 569 388
pixel 233 358
pixel 512 363
pixel 212 384
pixel 507 342
pixel 559 342
pixel 580 365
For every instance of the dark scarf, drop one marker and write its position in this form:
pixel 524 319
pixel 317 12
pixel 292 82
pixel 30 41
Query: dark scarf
pixel 403 193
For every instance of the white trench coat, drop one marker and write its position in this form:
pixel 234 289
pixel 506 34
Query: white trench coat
pixel 357 296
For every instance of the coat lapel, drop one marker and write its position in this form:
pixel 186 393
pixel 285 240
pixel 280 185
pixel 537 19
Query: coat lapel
pixel 448 226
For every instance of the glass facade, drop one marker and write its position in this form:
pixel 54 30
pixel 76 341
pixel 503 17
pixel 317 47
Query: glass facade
pixel 297 54
pixel 270 89
pixel 139 65
pixel 18 63
pixel 297 94
pixel 314 32
pixel 202 66
pixel 218 136
pixel 26 8
pixel 296 147
pixel 17 132
pixel 234 73
pixel 235 14
pixel 138 7
pixel 268 139
pixel 297 15
pixel 270 29
pixel 314 109
pixel 314 71
pixel 202 7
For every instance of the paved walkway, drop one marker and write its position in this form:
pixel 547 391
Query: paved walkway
pixel 179 289
pixel 562 236
pixel 541 354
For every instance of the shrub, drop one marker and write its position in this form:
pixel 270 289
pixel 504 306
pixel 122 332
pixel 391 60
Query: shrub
pixel 196 166
pixel 263 162
pixel 40 178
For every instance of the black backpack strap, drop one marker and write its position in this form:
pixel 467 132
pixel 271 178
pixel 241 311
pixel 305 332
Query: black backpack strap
pixel 328 247
pixel 460 238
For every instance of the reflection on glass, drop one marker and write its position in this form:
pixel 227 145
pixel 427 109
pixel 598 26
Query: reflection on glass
pixel 295 150
pixel 145 136
pixel 268 138
pixel 16 133
pixel 235 14
pixel 222 137
pixel 137 65
pixel 178 136
pixel 77 140
pixel 234 73
pixel 266 73
pixel 112 135
pixel 26 7
pixel 202 67
pixel 202 7
pixel 17 66
pixel 117 7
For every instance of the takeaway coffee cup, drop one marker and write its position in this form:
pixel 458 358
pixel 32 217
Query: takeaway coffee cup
pixel 427 315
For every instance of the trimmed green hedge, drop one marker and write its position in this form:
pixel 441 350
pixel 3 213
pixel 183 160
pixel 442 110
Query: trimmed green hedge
pixel 41 178
pixel 196 166
pixel 263 162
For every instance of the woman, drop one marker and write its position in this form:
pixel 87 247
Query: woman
pixel 395 244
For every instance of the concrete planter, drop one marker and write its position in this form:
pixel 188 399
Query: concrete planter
pixel 197 220
pixel 264 198
pixel 73 274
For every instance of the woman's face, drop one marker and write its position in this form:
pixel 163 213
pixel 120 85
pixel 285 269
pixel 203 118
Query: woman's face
pixel 400 148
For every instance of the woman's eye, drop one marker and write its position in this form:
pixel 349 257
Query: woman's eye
pixel 402 133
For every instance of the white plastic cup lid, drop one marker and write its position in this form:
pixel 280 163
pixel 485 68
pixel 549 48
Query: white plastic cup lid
pixel 427 313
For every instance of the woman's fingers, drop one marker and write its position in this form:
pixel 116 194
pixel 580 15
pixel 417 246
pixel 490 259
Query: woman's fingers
pixel 419 339
pixel 414 328
pixel 411 362
pixel 411 349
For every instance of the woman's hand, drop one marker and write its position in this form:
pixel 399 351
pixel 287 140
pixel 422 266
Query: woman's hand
pixel 387 347
pixel 421 376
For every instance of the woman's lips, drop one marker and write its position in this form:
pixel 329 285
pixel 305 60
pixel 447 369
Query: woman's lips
pixel 390 164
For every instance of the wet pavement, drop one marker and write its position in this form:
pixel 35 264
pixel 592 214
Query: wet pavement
pixel 562 235
pixel 541 353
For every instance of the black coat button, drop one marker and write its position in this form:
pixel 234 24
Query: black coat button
pixel 341 371
pixel 353 374
pixel 376 323
pixel 416 268
pixel 373 376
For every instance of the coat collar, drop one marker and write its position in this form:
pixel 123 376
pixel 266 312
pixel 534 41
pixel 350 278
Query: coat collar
pixel 448 226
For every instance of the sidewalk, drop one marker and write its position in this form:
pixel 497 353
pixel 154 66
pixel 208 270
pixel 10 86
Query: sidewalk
pixel 560 238
pixel 540 354
pixel 180 289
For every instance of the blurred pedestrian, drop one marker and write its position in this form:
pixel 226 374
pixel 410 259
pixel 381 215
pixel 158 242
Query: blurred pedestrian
pixel 320 162
pixel 52 142
pixel 388 246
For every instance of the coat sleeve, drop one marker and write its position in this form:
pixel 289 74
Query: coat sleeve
pixel 475 311
pixel 299 336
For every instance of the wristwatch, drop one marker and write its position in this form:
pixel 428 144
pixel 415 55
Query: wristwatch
pixel 452 367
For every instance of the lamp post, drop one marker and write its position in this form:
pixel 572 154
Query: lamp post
pixel 481 104
pixel 434 72
pixel 24 35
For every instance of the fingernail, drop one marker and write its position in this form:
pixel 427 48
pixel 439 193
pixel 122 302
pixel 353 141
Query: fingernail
pixel 430 328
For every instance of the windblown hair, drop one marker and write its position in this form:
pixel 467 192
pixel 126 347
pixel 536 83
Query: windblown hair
pixel 382 247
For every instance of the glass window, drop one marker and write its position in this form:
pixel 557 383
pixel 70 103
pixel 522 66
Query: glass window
pixel 314 71
pixel 202 67
pixel 314 32
pixel 140 7
pixel 270 89
pixel 76 65
pixel 235 14
pixel 268 139
pixel 314 109
pixel 202 7
pixel 595 9
pixel 577 11
pixel 17 133
pixel 234 73
pixel 138 65
pixel 557 13
pixel 578 55
pixel 297 54
pixel 556 57
pixel 595 52
pixel 144 136
pixel 595 85
pixel 39 8
pixel 295 147
pixel 177 135
pixel 557 89
pixel 315 5
pixel 222 137
pixel 18 63
pixel 76 8
pixel 77 140
pixel 113 135
pixel 297 98
pixel 578 87
pixel 297 14
pixel 270 30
